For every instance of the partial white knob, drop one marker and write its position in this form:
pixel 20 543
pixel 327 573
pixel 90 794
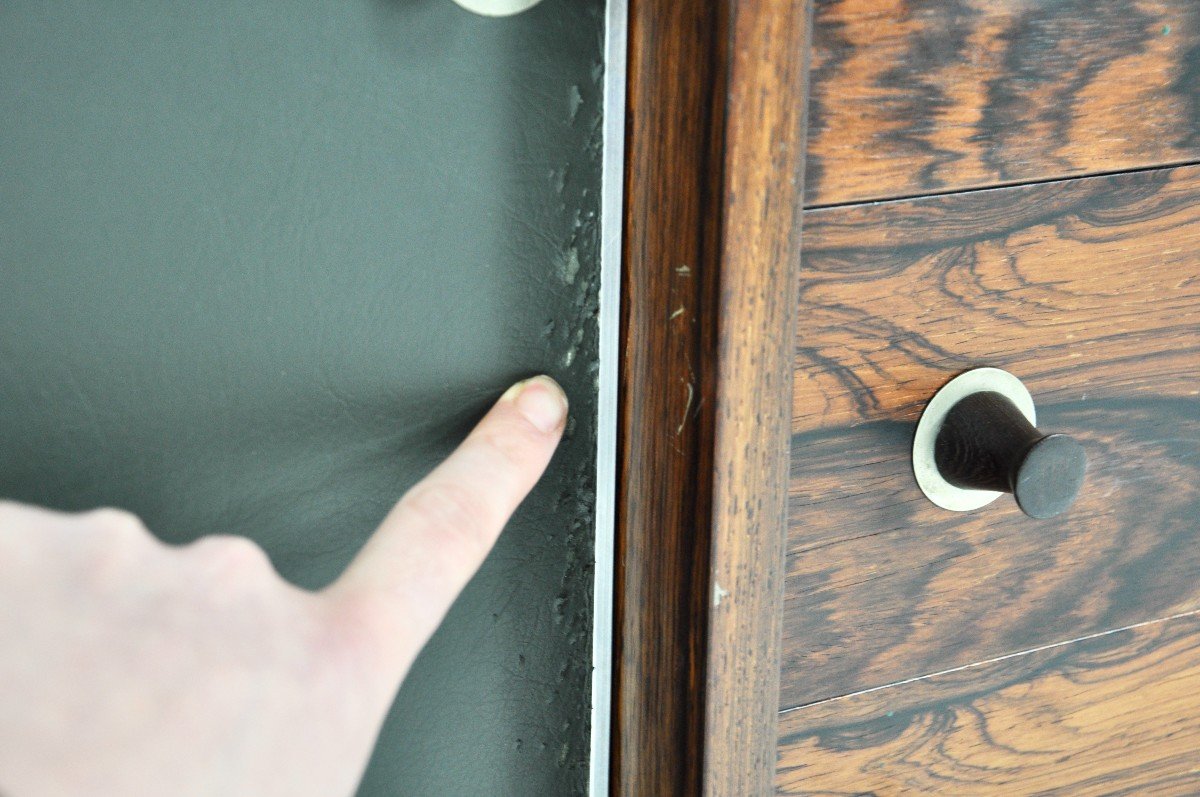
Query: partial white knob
pixel 497 8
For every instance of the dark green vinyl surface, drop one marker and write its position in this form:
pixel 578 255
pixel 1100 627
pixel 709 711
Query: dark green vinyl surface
pixel 263 263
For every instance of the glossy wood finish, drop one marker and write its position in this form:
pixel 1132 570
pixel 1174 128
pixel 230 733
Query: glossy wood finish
pixel 1084 288
pixel 929 651
pixel 674 122
pixel 711 249
pixel 1114 714
pixel 1088 290
pixel 762 196
pixel 916 96
pixel 884 586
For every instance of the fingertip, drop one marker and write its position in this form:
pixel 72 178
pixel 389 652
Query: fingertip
pixel 439 533
pixel 541 401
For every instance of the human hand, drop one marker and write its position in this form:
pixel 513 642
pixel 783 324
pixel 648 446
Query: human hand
pixel 130 667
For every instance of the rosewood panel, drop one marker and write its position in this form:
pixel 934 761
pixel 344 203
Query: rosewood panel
pixel 1085 288
pixel 713 184
pixel 1114 714
pixel 917 96
pixel 1089 290
pixel 883 586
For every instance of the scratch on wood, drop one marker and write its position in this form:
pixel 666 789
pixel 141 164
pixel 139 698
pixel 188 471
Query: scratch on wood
pixel 687 408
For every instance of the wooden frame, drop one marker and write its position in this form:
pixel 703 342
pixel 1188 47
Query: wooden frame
pixel 714 189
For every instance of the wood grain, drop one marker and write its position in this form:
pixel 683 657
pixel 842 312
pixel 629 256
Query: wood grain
pixel 1088 290
pixel 1087 287
pixel 674 122
pixel 711 243
pixel 762 196
pixel 1114 714
pixel 883 586
pixel 916 96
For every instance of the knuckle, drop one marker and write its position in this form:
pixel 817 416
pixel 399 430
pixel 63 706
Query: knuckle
pixel 358 624
pixel 117 523
pixel 371 635
pixel 11 519
pixel 112 542
pixel 511 450
pixel 232 554
pixel 11 513
pixel 452 512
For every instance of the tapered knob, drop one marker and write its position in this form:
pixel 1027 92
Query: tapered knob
pixel 986 443
pixel 977 439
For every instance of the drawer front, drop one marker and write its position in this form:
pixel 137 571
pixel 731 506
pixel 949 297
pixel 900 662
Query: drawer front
pixel 1089 291
pixel 1114 714
pixel 914 96
pixel 905 623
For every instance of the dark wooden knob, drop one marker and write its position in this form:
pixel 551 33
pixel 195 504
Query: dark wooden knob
pixel 986 443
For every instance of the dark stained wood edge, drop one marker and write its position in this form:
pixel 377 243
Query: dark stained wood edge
pixel 764 193
pixel 713 187
pixel 674 122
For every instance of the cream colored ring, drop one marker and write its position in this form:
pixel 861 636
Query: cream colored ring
pixel 497 8
pixel 978 380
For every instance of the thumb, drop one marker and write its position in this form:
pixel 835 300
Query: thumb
pixel 413 567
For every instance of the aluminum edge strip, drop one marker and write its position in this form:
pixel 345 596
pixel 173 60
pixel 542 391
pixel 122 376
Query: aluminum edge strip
pixel 611 222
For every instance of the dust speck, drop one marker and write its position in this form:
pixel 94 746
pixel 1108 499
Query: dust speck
pixel 568 266
pixel 574 102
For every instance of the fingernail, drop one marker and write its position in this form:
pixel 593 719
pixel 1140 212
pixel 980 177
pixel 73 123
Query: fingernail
pixel 541 401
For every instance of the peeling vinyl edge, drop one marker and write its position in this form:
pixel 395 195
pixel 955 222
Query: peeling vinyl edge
pixel 611 219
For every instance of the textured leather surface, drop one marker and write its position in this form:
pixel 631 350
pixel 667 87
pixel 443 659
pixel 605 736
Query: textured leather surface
pixel 262 264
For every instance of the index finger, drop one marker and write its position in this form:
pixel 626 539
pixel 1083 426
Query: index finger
pixel 415 564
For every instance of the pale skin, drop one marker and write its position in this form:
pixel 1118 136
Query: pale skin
pixel 129 667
